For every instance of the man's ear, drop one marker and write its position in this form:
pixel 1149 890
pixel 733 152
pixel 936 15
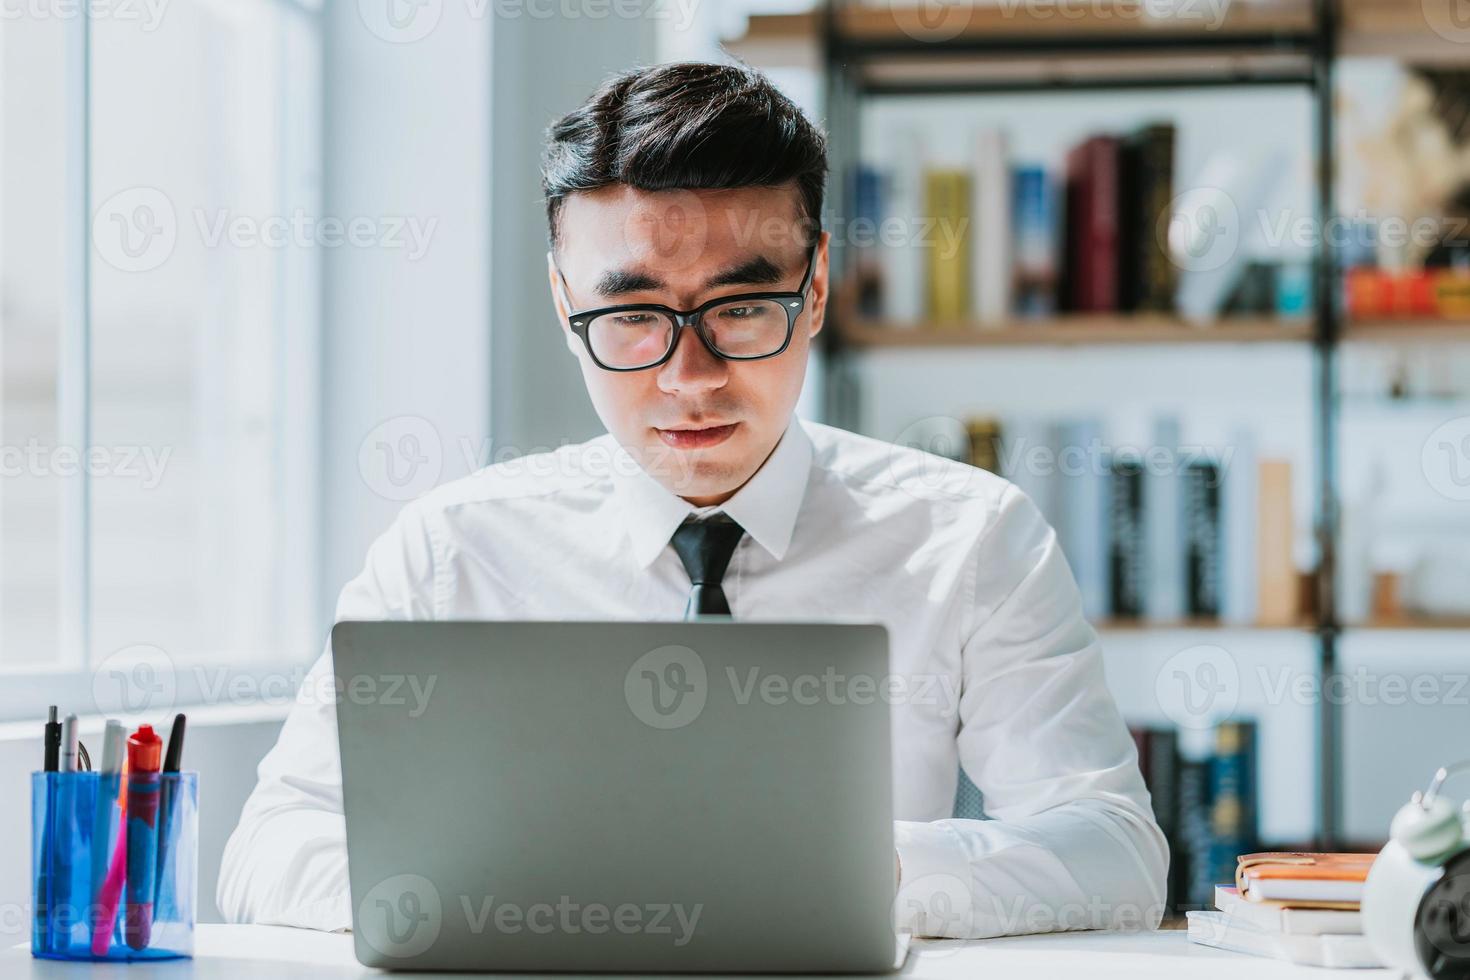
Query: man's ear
pixel 559 302
pixel 819 285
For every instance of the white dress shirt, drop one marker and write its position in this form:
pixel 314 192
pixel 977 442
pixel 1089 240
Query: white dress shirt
pixel 1000 672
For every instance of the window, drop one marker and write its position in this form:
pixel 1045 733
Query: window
pixel 158 346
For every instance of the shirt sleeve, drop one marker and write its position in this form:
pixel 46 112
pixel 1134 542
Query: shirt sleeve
pixel 1071 841
pixel 286 862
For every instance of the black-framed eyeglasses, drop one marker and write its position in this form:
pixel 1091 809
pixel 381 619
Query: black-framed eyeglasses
pixel 743 327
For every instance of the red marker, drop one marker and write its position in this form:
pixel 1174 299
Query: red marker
pixel 145 752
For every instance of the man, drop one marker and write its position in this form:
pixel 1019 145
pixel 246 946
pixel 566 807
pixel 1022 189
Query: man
pixel 669 191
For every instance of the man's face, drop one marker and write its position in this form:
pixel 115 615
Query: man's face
pixel 698 424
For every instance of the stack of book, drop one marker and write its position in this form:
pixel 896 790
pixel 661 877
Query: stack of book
pixel 1303 908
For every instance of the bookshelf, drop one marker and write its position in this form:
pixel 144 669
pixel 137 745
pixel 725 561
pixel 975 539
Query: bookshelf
pixel 1073 330
pixel 868 51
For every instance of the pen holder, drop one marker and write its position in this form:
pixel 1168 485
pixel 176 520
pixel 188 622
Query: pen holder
pixel 114 865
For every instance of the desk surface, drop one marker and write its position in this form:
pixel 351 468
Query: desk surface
pixel 270 953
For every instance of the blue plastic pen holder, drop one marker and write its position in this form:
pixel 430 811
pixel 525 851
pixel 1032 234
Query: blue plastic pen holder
pixel 114 865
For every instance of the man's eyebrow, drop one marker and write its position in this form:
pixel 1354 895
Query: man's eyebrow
pixel 756 271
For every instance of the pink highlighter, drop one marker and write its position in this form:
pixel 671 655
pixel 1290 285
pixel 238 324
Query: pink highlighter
pixel 110 897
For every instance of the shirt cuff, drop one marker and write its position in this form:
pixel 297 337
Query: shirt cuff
pixel 934 893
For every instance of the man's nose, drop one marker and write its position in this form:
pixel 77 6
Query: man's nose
pixel 693 367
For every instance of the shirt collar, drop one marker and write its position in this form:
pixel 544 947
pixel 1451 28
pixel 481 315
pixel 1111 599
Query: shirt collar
pixel 766 506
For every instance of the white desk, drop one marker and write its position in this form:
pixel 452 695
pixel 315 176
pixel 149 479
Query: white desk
pixel 269 953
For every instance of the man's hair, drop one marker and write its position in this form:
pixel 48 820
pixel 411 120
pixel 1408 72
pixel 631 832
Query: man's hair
pixel 687 126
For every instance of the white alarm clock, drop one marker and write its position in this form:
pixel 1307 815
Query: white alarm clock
pixel 1416 902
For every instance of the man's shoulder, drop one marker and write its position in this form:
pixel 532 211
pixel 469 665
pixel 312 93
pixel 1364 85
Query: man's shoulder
pixel 874 467
pixel 572 469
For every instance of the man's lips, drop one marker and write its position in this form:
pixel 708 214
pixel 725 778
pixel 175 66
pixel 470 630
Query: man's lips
pixel 701 437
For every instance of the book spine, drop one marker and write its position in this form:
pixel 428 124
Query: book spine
pixel 947 202
pixel 1100 291
pixel 1164 524
pixel 1233 812
pixel 1035 245
pixel 1158 275
pixel 1163 785
pixel 1238 599
pixel 902 259
pixel 1276 575
pixel 1126 564
pixel 991 223
pixel 1202 547
pixel 867 198
pixel 1194 831
pixel 1082 512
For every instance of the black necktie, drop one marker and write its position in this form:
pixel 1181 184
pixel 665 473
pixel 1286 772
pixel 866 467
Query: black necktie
pixel 705 548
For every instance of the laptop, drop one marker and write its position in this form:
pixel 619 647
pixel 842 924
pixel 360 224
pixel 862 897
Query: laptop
pixel 696 797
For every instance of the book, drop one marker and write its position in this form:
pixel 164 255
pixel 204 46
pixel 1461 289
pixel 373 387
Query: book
pixel 991 224
pixel 1222 931
pixel 947 204
pixel 1239 504
pixel 1202 571
pixel 1034 211
pixel 1164 526
pixel 1147 277
pixel 1092 226
pixel 901 259
pixel 1080 503
pixel 1233 798
pixel 867 275
pixel 1278 917
pixel 1276 577
pixel 1127 564
pixel 1194 831
pixel 1302 877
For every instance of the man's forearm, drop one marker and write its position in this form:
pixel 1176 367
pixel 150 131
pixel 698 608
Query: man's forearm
pixel 1083 865
pixel 287 867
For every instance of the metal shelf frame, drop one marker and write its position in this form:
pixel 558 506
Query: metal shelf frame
pixel 844 60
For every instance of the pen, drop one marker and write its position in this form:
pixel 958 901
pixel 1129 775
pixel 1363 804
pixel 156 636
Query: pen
pixel 51 760
pixel 109 780
pixel 63 837
pixel 53 741
pixel 145 750
pixel 166 792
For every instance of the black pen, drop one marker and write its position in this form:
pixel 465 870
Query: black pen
pixel 167 788
pixel 53 742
